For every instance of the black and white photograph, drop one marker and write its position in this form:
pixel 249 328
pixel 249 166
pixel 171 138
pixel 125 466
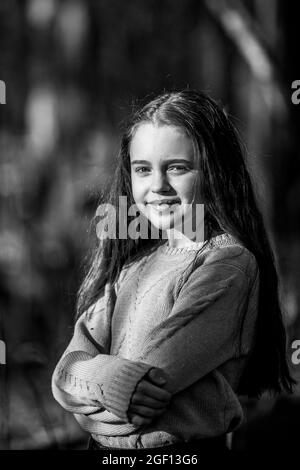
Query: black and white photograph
pixel 150 229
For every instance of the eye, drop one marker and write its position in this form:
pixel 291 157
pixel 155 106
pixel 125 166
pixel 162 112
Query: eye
pixel 141 169
pixel 178 168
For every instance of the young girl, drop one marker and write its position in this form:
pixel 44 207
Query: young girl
pixel 172 328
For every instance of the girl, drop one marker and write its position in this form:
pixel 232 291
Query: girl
pixel 172 328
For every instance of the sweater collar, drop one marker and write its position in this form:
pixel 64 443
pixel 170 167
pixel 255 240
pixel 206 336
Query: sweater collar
pixel 218 240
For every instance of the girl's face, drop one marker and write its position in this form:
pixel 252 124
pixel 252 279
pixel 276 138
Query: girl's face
pixel 163 173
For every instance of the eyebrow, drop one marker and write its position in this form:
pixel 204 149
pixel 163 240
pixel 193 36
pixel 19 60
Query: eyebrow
pixel 170 160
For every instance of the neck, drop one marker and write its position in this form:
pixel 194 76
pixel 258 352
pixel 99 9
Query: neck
pixel 177 239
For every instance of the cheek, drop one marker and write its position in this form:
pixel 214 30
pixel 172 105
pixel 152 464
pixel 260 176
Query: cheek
pixel 186 187
pixel 137 188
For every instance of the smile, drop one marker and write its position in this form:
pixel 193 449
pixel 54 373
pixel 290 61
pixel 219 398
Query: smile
pixel 164 206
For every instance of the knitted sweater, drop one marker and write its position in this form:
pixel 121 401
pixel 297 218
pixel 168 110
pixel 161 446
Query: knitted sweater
pixel 165 312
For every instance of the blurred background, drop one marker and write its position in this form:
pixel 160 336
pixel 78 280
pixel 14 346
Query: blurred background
pixel 73 69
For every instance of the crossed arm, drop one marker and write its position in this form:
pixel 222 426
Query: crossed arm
pixel 88 379
pixel 199 334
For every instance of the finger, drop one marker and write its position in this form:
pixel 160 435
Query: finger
pixel 145 400
pixel 139 420
pixel 145 411
pixel 157 376
pixel 151 390
pixel 154 391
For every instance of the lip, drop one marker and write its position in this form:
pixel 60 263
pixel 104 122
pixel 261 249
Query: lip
pixel 159 202
pixel 164 205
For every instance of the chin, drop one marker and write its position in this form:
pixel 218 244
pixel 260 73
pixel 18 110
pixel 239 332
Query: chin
pixel 163 223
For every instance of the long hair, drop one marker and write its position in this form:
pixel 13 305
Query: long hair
pixel 230 205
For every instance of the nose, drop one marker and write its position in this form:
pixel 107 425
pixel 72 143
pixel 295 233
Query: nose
pixel 159 182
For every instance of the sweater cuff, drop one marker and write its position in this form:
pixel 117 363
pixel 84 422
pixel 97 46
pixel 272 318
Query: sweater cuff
pixel 120 388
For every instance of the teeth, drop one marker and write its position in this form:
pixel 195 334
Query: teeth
pixel 164 206
pixel 169 203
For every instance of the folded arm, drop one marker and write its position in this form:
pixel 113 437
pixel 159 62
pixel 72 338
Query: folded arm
pixel 87 378
pixel 202 330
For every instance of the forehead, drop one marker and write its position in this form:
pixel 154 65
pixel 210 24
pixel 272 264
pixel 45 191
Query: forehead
pixel 154 141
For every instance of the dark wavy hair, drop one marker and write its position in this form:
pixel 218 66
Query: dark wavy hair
pixel 230 206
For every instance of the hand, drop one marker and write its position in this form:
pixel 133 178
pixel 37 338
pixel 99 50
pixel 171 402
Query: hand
pixel 149 399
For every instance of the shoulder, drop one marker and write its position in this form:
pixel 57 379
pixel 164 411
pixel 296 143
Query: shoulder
pixel 224 261
pixel 220 270
pixel 225 250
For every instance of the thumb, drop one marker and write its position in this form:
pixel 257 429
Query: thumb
pixel 157 376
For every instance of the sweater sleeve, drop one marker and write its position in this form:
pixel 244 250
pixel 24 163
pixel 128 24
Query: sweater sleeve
pixel 87 378
pixel 202 330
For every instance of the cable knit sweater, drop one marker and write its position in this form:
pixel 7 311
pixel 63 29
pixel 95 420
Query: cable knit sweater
pixel 165 312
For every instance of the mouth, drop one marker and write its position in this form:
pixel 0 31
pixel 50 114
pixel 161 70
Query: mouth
pixel 158 202
pixel 164 204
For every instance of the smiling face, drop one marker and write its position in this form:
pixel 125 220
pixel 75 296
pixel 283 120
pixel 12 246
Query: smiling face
pixel 163 173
